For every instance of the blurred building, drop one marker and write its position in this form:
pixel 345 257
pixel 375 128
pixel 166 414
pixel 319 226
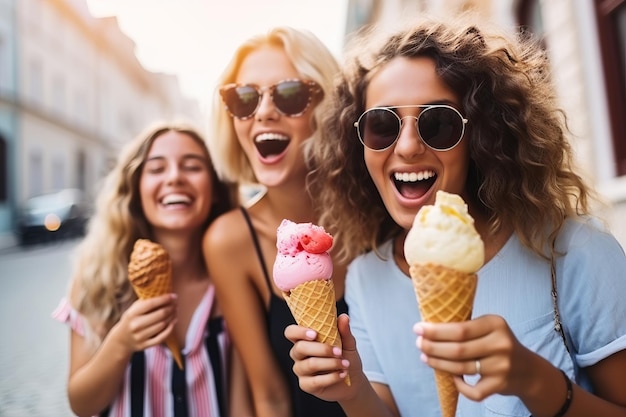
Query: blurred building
pixel 586 43
pixel 71 92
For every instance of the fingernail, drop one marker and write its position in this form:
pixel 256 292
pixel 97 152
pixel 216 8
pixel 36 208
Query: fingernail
pixel 336 351
pixel 418 329
pixel 343 374
pixel 174 296
pixel 418 342
pixel 424 358
pixel 345 363
pixel 311 334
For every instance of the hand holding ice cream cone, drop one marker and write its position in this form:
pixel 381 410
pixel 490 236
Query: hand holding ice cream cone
pixel 303 272
pixel 444 251
pixel 150 274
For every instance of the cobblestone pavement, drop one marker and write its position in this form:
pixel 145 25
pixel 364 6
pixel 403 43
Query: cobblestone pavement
pixel 34 350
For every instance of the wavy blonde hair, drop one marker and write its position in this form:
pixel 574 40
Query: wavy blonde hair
pixel 520 173
pixel 313 61
pixel 100 289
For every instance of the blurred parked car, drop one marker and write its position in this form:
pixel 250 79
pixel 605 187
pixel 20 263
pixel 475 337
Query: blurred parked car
pixel 56 215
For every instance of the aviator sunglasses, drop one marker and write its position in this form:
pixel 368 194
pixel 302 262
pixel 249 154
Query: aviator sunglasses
pixel 441 127
pixel 290 97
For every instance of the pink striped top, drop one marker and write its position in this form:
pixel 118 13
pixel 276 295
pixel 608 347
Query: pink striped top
pixel 202 392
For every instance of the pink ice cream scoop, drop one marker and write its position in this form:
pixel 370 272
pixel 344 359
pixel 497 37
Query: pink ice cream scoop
pixel 302 254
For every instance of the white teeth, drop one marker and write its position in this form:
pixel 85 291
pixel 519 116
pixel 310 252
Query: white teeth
pixel 413 176
pixel 271 136
pixel 176 199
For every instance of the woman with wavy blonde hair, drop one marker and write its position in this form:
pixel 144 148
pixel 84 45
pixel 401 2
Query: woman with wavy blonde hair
pixel 470 110
pixel 266 113
pixel 163 188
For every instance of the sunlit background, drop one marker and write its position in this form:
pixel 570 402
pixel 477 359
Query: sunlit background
pixel 195 38
pixel 78 78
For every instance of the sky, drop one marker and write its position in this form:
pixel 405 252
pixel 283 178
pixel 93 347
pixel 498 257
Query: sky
pixel 194 39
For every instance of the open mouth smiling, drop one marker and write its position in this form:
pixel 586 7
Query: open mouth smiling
pixel 173 200
pixel 271 144
pixel 413 185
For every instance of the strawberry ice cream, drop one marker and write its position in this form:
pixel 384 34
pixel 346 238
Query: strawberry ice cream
pixel 302 254
pixel 303 271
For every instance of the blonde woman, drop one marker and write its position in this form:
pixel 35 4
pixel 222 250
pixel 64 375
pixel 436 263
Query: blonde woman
pixel 163 188
pixel 267 110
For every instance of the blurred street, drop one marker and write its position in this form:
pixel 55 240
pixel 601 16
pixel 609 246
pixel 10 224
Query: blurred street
pixel 34 352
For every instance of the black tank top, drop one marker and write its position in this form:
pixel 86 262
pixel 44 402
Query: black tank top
pixel 278 317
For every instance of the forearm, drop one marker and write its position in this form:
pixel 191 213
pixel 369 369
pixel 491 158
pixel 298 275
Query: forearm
pixel 367 403
pixel 269 409
pixel 270 393
pixel 93 386
pixel 269 390
pixel 240 397
pixel 271 403
pixel 548 395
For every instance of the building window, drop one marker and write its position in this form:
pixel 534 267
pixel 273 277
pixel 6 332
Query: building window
pixel 81 174
pixel 35 186
pixel 5 69
pixel 529 16
pixel 58 173
pixel 35 79
pixel 530 20
pixel 4 170
pixel 81 113
pixel 611 15
pixel 58 95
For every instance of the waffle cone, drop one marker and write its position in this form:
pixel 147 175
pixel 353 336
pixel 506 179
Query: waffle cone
pixel 150 274
pixel 444 295
pixel 312 304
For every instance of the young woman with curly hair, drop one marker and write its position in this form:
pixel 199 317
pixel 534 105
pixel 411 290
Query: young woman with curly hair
pixel 163 188
pixel 266 113
pixel 469 110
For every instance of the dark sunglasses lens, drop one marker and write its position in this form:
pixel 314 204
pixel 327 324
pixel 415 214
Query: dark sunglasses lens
pixel 291 97
pixel 241 101
pixel 379 128
pixel 440 127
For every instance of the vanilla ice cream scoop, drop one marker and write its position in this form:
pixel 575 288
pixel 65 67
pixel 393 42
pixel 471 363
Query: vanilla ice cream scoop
pixel 444 234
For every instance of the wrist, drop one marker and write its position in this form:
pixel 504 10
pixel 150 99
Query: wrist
pixel 569 396
pixel 562 399
pixel 364 400
pixel 114 343
pixel 545 391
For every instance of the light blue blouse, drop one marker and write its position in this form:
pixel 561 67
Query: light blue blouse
pixel 516 285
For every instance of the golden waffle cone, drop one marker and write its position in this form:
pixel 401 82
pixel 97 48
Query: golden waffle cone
pixel 312 304
pixel 444 295
pixel 150 274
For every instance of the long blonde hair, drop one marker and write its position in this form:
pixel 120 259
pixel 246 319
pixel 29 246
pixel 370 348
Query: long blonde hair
pixel 313 61
pixel 100 290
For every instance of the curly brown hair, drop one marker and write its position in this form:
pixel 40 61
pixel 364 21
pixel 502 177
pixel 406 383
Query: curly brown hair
pixel 520 175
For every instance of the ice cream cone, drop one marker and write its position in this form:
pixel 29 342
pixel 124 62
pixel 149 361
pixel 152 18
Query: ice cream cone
pixel 150 274
pixel 312 304
pixel 444 295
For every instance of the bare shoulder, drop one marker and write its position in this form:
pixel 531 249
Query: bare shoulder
pixel 227 232
pixel 227 247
